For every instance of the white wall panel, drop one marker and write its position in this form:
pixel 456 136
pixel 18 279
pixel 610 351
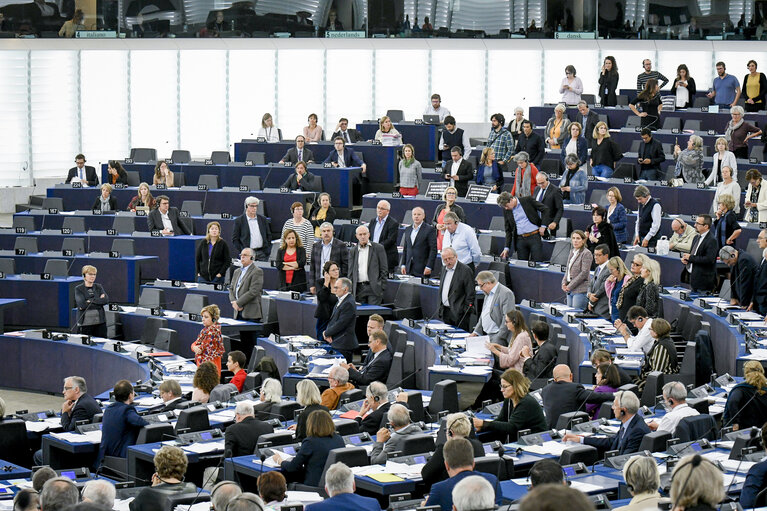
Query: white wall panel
pixel 506 90
pixel 300 79
pixel 154 100
pixel 459 77
pixel 402 82
pixel 203 102
pixel 251 92
pixel 586 63
pixel 348 95
pixel 14 120
pixel 698 62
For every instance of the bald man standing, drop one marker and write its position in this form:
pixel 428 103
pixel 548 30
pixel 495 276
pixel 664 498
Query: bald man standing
pixel 420 246
pixel 562 395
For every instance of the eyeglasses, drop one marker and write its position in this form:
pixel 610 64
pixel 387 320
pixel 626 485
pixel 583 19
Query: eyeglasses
pixel 699 223
pixel 68 388
pixel 504 387
pixel 634 263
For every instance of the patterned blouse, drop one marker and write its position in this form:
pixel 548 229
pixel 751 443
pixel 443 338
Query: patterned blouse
pixel 212 345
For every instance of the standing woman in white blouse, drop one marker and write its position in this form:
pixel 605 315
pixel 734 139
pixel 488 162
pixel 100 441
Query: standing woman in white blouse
pixel 268 130
pixel 728 186
pixel 722 158
pixel 571 88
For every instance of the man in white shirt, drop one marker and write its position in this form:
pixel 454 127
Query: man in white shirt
pixel 436 108
pixel 367 269
pixel 675 398
pixel 643 341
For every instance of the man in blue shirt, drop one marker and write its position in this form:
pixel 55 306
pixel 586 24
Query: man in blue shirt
pixel 339 484
pixel 461 238
pixel 726 90
pixel 459 462
pixel 522 222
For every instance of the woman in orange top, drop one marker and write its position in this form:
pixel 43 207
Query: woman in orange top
pixel 209 345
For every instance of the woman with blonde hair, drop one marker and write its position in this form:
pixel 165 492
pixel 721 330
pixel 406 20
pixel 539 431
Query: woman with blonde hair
pixel 488 173
pixel 643 479
pixel 387 134
pixel 451 193
pixel 457 425
pixel 696 484
pixel 209 345
pixel 557 128
pixel 268 130
pixel 649 295
pixel 105 201
pixel 143 199
pixel 605 153
pixel 631 288
pixel 410 172
pixel 728 186
pixel 747 403
pixel 722 158
pixel 307 395
pixel 619 275
pixel 726 226
pixel 213 257
pixel 321 214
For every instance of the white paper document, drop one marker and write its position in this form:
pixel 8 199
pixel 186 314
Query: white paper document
pixel 551 447
pixel 475 346
pixel 205 447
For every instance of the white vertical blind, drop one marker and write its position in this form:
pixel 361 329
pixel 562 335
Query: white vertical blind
pixel 401 83
pixel 104 104
pixel 14 121
pixel 506 91
pixel 299 74
pixel 342 86
pixel 488 15
pixel 202 102
pixel 154 100
pixel 251 92
pixel 463 93
pixel 55 111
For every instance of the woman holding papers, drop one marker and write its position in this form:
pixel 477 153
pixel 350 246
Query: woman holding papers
pixel 209 345
pixel 387 134
pixel 510 357
pixel 520 410
pixel 619 275
pixel 310 459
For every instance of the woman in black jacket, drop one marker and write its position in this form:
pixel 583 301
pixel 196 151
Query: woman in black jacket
pixel 631 288
pixel 90 299
pixel 116 173
pixel 309 461
pixel 608 82
pixel 601 232
pixel 213 257
pixel 326 300
pixel 457 425
pixel 747 403
pixel 754 88
pixel 291 262
pixel 105 201
pixel 662 356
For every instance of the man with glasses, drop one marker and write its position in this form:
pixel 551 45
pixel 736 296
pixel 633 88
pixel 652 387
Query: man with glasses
pixel 648 74
pixel 246 287
pixel 499 300
pixel 82 173
pixel 461 238
pixel 166 219
pixel 647 227
pixel 298 153
pixel 681 240
pixel 350 135
pixel 642 341
pixel 700 263
pixel 377 363
pixel 252 230
pixel 340 330
pixel 338 382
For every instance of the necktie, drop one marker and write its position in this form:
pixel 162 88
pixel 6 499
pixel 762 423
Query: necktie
pixel 346 137
pixel 300 156
pixel 540 194
pixel 239 281
pixel 596 273
pixel 81 174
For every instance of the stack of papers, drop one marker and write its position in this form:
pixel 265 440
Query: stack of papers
pixel 551 447
pixel 475 347
pixel 403 470
pixel 304 497
pixel 757 354
pixel 92 437
pixel 205 447
pixel 222 416
pixel 367 470
pixel 730 479
pixel 149 401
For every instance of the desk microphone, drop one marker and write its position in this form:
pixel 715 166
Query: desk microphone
pixel 128 477
pixel 468 309
pixel 546 367
pixel 214 473
pixel 278 416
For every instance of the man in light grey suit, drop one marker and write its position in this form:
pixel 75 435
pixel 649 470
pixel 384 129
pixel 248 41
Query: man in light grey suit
pixel 499 300
pixel 596 294
pixel 368 269
pixel 246 287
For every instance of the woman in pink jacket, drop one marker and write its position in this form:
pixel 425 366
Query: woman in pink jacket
pixel 509 357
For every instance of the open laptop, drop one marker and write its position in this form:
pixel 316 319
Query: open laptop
pixel 431 119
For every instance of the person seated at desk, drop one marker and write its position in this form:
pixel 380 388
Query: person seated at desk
pixel 78 404
pixel 321 438
pixel 308 396
pixel 298 153
pixel 675 398
pixel 223 493
pixel 387 134
pixel 377 363
pixel 387 441
pixel 457 425
pixel 697 484
pixel 546 471
pixel 235 362
pixel 71 27
pixel 242 437
pixel 662 355
pixel 271 393
pixel 563 396
pixel 121 423
pixel 743 275
pixel 435 108
pixel 633 427
pixel 291 262
pixel 350 135
pixel 162 175
pixel 681 240
pixel 747 402
pixel 340 330
pixel 338 379
pixel 456 290
pixel 143 199
pixel 82 173
pixel 419 253
pixel 520 410
pixel 368 268
pixel 273 490
pixel 313 132
pixel 344 156
pixel 268 130
pixel 170 393
pixel 41 475
pixel 321 213
pixel 170 464
pixel 608 380
pixel 459 462
pixel 638 318
pixel 205 379
pixel 340 487
pixel 105 201
pixel 756 478
pixel 602 356
pixel 301 179
pixel 246 287
pixel 166 219
pixel 116 173
pixel 643 480
pixel 539 365
pixel 209 345
pixel 212 258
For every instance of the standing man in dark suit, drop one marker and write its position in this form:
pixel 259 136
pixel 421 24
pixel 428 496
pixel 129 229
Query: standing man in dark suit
pixel 420 246
pixel 241 437
pixel 531 143
pixel 631 432
pixel 344 156
pixel 588 119
pixel 458 171
pixel 540 364
pixel 367 269
pixel 522 220
pixel 340 331
pixel 121 423
pixel 551 197
pixel 298 153
pixel 251 230
pixel 384 229
pixel 456 291
pixel 301 180
pixel 82 173
pixel 166 219
pixel 759 301
pixel 743 275
pixel 327 249
pixel 700 263
pixel 377 363
pixel 562 395
pixel 246 288
pixel 349 135
pixel 596 294
pixel 170 393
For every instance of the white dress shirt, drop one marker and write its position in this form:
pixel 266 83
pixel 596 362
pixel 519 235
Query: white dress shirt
pixel 488 325
pixel 446 285
pixel 642 340
pixel 671 420
pixel 256 240
pixel 166 221
pixel 362 263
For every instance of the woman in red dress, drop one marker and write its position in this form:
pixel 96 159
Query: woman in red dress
pixel 209 345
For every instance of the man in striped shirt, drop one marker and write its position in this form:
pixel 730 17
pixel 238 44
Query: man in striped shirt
pixel 648 74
